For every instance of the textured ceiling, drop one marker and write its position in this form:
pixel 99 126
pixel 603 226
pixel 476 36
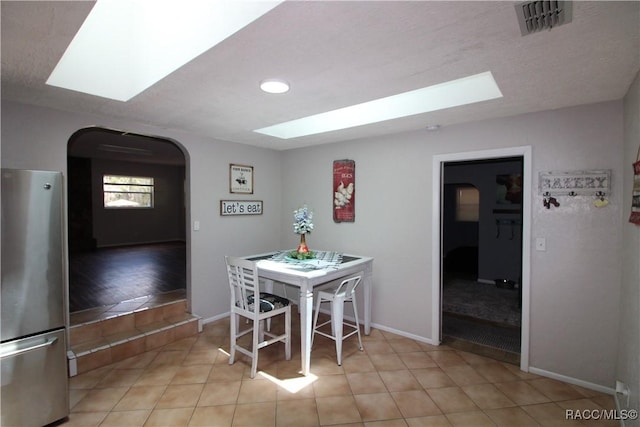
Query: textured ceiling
pixel 336 54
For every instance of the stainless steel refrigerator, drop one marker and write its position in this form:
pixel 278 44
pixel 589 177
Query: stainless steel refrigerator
pixel 33 349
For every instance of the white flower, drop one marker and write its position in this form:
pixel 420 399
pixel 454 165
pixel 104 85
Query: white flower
pixel 303 220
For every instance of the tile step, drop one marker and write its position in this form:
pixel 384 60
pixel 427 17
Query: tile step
pixel 101 342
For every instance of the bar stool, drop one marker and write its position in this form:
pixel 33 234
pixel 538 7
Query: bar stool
pixel 337 296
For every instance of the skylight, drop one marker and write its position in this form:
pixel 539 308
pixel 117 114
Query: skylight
pixel 124 47
pixel 467 90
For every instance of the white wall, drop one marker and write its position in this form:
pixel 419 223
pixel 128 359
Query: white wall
pixel 628 367
pixel 575 284
pixel 36 138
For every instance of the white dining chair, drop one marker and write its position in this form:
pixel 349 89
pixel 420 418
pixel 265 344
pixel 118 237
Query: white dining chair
pixel 337 296
pixel 244 286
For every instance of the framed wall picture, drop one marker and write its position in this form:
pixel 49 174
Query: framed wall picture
pixel 240 179
pixel 635 196
pixel 344 190
pixel 509 189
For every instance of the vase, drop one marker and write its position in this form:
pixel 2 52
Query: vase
pixel 302 247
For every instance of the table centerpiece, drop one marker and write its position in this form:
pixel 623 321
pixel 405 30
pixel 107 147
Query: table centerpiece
pixel 303 224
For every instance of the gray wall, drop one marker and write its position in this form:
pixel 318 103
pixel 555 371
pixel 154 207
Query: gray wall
pixel 628 367
pixel 36 138
pixel 575 284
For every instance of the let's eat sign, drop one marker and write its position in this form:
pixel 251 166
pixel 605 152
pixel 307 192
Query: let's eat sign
pixel 240 207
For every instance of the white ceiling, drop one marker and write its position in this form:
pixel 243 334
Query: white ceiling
pixel 336 54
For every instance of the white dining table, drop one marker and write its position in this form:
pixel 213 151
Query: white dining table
pixel 307 275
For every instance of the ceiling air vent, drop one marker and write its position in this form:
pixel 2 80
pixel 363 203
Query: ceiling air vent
pixel 534 16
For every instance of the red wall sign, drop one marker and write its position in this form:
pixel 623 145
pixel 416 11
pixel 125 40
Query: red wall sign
pixel 344 191
pixel 635 196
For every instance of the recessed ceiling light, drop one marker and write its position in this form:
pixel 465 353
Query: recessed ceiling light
pixel 467 90
pixel 124 47
pixel 274 86
pixel 433 128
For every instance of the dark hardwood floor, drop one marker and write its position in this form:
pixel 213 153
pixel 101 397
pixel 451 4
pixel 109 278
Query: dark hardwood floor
pixel 111 275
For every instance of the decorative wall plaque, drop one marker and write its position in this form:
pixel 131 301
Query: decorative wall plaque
pixel 241 179
pixel 635 196
pixel 240 207
pixel 575 183
pixel 344 190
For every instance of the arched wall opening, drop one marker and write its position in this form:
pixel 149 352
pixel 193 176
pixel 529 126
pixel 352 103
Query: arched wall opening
pixel 127 220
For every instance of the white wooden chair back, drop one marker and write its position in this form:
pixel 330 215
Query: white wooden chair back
pixel 246 301
pixel 243 283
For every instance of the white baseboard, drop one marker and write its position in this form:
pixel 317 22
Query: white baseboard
pixel 619 406
pixel 73 363
pixel 214 318
pixel 404 334
pixel 351 319
pixel 571 380
pixel 386 329
pixel 532 369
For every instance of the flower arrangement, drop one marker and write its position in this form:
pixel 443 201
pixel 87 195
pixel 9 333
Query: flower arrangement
pixel 303 224
pixel 303 220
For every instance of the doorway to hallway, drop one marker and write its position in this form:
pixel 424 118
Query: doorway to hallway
pixel 482 262
pixel 481 240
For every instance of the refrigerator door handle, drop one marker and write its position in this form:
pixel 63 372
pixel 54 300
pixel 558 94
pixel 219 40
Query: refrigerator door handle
pixel 18 351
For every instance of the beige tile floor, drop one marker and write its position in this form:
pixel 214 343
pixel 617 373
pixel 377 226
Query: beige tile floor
pixel 394 382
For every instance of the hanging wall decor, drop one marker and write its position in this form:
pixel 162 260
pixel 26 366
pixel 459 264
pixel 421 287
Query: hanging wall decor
pixel 635 195
pixel 509 189
pixel 240 179
pixel 344 190
pixel 575 183
pixel 240 207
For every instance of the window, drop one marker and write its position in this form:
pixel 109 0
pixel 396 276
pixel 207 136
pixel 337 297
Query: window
pixel 128 192
pixel 467 204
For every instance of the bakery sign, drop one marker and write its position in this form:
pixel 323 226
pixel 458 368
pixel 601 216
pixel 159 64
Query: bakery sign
pixel 575 183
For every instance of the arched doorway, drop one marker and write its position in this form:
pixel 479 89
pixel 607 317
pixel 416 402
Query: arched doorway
pixel 126 220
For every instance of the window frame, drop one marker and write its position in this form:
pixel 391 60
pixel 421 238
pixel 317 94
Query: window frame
pixel 150 186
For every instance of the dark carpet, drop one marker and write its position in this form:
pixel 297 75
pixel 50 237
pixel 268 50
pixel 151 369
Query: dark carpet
pixel 482 301
pixel 481 315
pixel 505 338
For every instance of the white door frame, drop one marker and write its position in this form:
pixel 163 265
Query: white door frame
pixel 436 250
